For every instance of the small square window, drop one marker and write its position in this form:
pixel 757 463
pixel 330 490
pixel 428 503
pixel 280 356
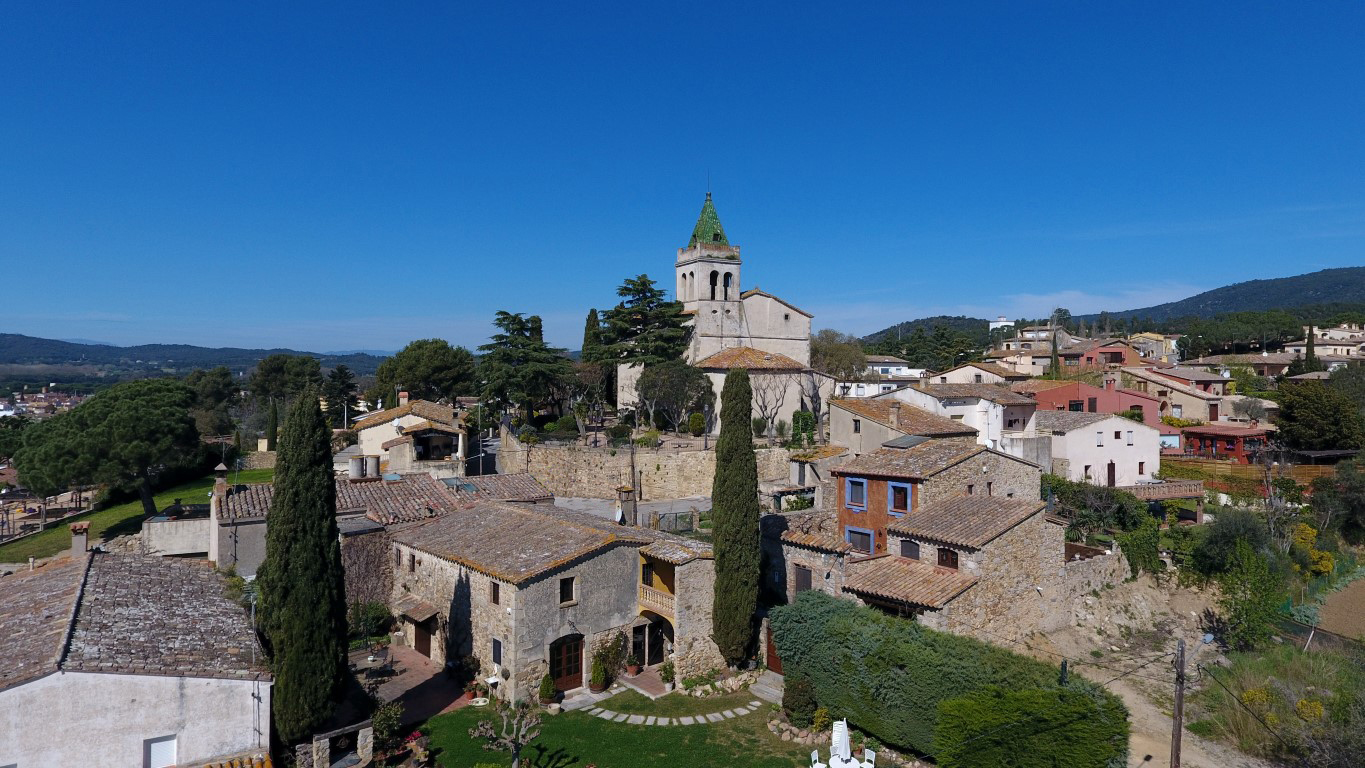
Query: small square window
pixel 857 493
pixel 971 489
pixel 1118 435
pixel 857 426
pixel 159 753
pixel 497 651
pixel 494 593
pixel 566 590
pixel 910 549
pixel 899 499
pixel 860 539
pixel 947 558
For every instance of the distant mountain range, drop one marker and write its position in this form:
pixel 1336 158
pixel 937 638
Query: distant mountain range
pixel 16 349
pixel 1325 289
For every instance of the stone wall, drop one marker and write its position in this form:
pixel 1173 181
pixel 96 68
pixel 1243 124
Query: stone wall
pixel 827 570
pixel 595 473
pixel 258 460
pixel 368 561
pixel 693 649
pixel 1005 474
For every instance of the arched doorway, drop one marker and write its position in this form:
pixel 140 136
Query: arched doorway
pixel 566 662
pixel 651 638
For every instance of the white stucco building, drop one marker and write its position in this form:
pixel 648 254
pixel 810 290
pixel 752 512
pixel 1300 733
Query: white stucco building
pixel 127 660
pixel 1101 448
pixel 994 412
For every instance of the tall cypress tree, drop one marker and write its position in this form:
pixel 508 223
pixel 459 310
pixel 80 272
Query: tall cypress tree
pixel 272 426
pixel 301 582
pixel 592 338
pixel 734 515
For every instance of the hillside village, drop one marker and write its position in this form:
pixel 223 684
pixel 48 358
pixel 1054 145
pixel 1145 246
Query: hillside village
pixel 671 533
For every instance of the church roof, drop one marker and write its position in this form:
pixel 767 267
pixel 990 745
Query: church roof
pixel 708 230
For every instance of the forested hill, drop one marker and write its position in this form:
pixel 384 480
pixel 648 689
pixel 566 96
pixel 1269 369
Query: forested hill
pixel 16 349
pixel 971 326
pixel 1345 285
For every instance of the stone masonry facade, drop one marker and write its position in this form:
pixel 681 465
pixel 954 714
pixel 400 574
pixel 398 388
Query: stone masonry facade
pixel 1006 475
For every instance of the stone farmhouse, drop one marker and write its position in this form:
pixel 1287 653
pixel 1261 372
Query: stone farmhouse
pixel 950 533
pixel 530 590
pixel 864 425
pixel 125 659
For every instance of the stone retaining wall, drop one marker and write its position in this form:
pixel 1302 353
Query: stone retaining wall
pixel 258 460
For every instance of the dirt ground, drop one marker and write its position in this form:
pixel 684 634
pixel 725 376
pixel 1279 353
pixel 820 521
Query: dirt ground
pixel 1120 640
pixel 1344 611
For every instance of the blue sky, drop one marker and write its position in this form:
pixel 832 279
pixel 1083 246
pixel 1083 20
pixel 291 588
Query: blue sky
pixel 343 176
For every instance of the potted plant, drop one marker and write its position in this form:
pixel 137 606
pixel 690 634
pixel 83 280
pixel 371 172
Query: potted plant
pixel 632 665
pixel 668 674
pixel 597 682
pixel 547 689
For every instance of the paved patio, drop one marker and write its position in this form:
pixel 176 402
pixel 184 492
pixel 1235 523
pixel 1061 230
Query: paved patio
pixel 418 683
pixel 647 683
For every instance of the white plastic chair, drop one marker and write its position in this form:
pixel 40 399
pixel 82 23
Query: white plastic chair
pixel 869 758
pixel 815 759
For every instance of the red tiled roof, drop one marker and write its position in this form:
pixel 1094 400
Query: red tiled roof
pixel 916 463
pixel 516 487
pixel 813 530
pixel 413 497
pixel 966 521
pixel 911 420
pixel 906 581
pixel 991 392
pixel 426 409
pixel 752 359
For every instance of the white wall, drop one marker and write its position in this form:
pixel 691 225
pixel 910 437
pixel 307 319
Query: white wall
pixel 1078 448
pixel 79 718
pixel 373 438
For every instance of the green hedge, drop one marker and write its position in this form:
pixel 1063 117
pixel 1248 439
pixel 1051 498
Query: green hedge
pixel 889 676
pixel 1142 547
pixel 1031 728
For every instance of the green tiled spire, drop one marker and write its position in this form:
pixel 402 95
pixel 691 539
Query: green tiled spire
pixel 708 229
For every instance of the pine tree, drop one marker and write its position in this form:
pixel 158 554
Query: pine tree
pixel 644 328
pixel 272 426
pixel 592 339
pixel 301 582
pixel 734 514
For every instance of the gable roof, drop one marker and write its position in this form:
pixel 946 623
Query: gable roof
pixel 916 463
pixel 885 359
pixel 36 609
pixel 750 358
pixel 411 497
pixel 708 230
pixel 1065 421
pixel 906 581
pixel 1189 374
pixel 966 521
pixel 144 614
pixel 998 370
pixel 443 414
pixel 516 543
pixel 991 392
pixel 783 302
pixel 817 530
pixel 910 420
pixel 1038 385
pixel 515 487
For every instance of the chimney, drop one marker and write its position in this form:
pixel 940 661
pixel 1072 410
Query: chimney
pixel 895 414
pixel 402 399
pixel 80 537
pixel 625 498
pixel 356 470
pixel 1111 381
pixel 371 466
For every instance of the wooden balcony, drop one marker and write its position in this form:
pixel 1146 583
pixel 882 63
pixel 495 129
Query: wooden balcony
pixel 1175 489
pixel 656 600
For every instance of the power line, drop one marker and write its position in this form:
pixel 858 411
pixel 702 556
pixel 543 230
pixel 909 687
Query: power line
pixel 1249 710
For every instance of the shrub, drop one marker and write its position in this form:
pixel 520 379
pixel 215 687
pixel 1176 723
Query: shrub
pixel 667 672
pixel 1030 728
pixel 760 426
pixel 365 620
pixel 821 721
pixel 1141 547
pixel 696 424
pixel 547 688
pixel 803 428
pixel 889 675
pixel 598 678
pixel 798 701
pixel 618 431
pixel 1213 553
pixel 798 503
pixel 649 439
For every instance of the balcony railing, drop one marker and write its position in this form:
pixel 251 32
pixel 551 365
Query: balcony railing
pixel 656 600
pixel 1177 489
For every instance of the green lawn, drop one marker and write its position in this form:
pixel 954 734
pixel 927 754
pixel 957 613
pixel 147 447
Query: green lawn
pixel 121 519
pixel 576 740
pixel 675 704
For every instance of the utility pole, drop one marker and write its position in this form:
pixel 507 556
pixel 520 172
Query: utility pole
pixel 1178 717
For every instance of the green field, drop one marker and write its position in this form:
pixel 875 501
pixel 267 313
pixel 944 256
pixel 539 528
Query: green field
pixel 119 520
pixel 576 740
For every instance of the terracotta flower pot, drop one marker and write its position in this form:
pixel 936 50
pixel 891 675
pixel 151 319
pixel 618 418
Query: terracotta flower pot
pixel 633 669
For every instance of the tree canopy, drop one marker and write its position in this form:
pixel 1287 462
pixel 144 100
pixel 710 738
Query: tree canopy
pixel 427 369
pixel 283 377
pixel 519 369
pixel 838 354
pixel 644 327
pixel 1315 417
pixel 215 393
pixel 340 393
pixel 674 389
pixel 126 436
pixel 734 512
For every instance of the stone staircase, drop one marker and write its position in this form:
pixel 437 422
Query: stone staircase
pixel 768 687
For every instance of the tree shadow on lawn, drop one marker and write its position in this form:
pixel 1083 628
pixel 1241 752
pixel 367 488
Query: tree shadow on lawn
pixel 560 758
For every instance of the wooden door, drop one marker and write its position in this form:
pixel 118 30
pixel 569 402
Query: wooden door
pixel 421 638
pixel 774 661
pixel 802 578
pixel 566 662
pixel 1113 475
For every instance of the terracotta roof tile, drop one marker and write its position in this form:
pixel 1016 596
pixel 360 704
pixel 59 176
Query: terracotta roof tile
pixel 919 462
pixel 429 425
pixel 1037 385
pixel 151 615
pixel 966 521
pixel 911 420
pixel 905 581
pixel 753 359
pixel 413 497
pixel 516 487
pixel 1066 421
pixel 813 530
pixel 35 613
pixel 426 409
pixel 991 392
pixel 998 370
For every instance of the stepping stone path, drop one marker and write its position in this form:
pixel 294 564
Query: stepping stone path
pixel 714 717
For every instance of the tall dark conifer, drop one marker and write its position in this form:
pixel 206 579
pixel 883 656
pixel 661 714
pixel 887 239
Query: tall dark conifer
pixel 272 426
pixel 592 338
pixel 734 514
pixel 301 582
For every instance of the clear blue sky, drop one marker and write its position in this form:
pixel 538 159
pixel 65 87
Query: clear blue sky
pixel 357 175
